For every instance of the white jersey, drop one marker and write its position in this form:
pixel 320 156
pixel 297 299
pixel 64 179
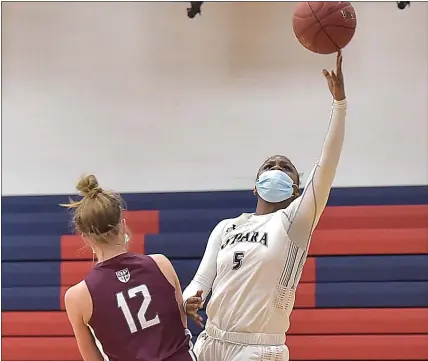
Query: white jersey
pixel 253 263
pixel 258 269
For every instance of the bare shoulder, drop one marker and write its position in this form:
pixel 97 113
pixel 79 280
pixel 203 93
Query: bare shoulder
pixel 162 261
pixel 165 266
pixel 160 258
pixel 78 302
pixel 75 293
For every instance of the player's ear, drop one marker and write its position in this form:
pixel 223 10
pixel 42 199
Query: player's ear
pixel 255 191
pixel 125 231
pixel 123 225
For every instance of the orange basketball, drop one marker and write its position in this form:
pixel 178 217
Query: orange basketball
pixel 324 27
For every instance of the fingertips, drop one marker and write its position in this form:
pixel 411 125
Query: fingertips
pixel 326 74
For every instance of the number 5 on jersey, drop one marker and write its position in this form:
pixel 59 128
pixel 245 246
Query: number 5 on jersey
pixel 141 314
pixel 237 260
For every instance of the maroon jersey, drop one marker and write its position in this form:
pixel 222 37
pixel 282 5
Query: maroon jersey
pixel 135 315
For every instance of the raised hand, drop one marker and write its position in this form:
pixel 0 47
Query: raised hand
pixel 335 79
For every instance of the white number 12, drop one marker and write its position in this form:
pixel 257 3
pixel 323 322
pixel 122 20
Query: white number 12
pixel 141 315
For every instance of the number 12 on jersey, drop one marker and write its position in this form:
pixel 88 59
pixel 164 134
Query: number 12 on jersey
pixel 237 260
pixel 141 314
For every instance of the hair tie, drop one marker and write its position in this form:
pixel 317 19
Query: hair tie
pixel 94 192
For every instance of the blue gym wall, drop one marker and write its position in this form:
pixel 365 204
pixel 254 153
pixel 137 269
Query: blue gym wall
pixel 363 293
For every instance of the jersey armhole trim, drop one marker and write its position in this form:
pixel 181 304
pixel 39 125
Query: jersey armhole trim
pixel 88 323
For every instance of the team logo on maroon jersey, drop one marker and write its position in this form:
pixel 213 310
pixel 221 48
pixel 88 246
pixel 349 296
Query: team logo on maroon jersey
pixel 123 275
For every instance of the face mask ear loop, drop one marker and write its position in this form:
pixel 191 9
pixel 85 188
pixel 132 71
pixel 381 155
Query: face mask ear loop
pixel 296 191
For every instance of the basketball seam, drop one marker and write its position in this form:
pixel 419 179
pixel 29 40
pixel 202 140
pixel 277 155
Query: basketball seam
pixel 322 27
pixel 316 38
pixel 302 31
pixel 341 26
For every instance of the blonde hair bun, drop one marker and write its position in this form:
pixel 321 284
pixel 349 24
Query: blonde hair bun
pixel 88 186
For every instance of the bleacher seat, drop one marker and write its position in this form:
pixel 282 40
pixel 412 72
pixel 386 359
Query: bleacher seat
pixel 372 294
pixel 30 248
pixel 384 268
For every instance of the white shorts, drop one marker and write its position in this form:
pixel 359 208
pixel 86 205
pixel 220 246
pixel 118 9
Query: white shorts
pixel 208 348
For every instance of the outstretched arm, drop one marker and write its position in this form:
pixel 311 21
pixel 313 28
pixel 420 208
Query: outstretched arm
pixel 302 216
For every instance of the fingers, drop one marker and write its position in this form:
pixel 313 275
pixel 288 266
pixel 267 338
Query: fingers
pixel 326 74
pixel 338 56
pixel 193 307
pixel 194 299
pixel 193 314
pixel 333 76
pixel 339 60
pixel 198 320
pixel 194 303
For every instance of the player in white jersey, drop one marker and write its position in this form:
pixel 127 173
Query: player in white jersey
pixel 253 263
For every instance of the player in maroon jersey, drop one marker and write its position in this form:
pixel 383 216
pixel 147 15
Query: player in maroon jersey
pixel 129 306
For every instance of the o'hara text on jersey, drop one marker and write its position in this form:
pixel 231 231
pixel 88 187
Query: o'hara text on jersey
pixel 253 237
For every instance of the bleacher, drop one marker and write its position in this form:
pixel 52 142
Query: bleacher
pixel 363 293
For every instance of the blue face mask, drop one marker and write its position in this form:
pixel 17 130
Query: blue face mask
pixel 274 186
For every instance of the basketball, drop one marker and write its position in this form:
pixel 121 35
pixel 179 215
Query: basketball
pixel 324 27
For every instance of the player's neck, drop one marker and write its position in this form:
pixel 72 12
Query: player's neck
pixel 266 208
pixel 106 253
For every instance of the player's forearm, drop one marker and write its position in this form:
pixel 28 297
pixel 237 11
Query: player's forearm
pixel 197 284
pixel 333 141
pixel 332 148
pixel 205 275
pixel 330 156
